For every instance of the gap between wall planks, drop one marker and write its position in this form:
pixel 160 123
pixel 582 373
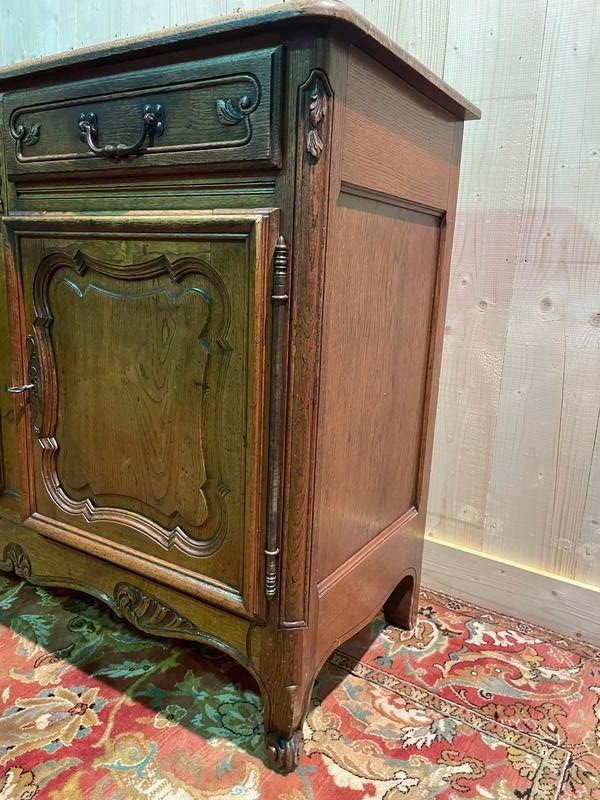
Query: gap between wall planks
pixel 516 470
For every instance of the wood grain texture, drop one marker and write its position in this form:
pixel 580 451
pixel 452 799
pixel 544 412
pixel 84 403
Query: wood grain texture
pixel 310 239
pixel 537 406
pixel 490 208
pixel 588 548
pixel 10 478
pixel 374 368
pixel 419 26
pixel 214 110
pixel 186 488
pixel 155 326
pixel 515 469
pixel 583 505
pixel 418 152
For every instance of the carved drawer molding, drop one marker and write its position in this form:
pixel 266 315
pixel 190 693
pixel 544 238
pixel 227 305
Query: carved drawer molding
pixel 205 112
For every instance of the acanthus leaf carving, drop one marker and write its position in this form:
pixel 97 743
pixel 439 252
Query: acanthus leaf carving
pixel 26 135
pixel 314 144
pixel 29 135
pixel 318 105
pixel 231 112
pixel 150 614
pixel 319 92
pixel 15 559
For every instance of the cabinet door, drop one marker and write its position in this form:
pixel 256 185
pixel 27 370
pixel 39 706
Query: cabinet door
pixel 144 340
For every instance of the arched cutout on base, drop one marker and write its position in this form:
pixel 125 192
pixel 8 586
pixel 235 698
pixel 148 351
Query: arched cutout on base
pixel 401 607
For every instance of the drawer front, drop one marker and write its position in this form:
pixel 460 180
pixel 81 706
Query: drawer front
pixel 144 342
pixel 206 112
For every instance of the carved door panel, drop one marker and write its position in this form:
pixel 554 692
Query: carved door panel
pixel 145 350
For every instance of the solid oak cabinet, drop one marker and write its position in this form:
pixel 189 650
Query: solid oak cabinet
pixel 225 268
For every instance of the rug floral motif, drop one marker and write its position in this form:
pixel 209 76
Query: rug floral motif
pixel 470 705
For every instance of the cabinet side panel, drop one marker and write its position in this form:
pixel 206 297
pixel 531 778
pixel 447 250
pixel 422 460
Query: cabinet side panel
pixel 384 291
pixel 379 297
pixel 395 141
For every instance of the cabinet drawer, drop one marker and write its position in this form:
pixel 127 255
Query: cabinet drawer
pixel 214 111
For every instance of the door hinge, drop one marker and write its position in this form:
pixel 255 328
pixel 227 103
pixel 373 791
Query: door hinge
pixel 281 273
pixel 279 330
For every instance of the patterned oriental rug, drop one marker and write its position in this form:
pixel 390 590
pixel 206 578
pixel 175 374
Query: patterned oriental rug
pixel 471 705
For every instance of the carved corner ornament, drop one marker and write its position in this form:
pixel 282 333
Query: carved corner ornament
pixel 232 111
pixel 319 96
pixel 150 614
pixel 25 136
pixel 15 559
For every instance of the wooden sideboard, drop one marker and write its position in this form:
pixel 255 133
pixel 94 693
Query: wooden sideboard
pixel 225 268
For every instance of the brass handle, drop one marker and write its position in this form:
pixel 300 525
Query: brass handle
pixel 20 389
pixel 152 125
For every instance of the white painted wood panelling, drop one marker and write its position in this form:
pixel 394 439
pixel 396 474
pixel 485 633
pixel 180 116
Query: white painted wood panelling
pixel 586 315
pixel 495 58
pixel 516 471
pixel 541 419
pixel 420 26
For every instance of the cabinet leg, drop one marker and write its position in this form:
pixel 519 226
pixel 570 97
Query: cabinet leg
pixel 283 753
pixel 285 710
pixel 402 606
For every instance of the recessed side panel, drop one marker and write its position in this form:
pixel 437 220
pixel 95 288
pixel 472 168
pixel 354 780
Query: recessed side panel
pixel 379 294
pixel 392 195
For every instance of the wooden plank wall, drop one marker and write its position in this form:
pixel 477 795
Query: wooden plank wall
pixel 519 412
pixel 516 473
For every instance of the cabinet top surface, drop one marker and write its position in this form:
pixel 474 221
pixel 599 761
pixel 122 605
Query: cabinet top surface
pixel 284 19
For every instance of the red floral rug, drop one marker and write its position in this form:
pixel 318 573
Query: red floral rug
pixel 471 705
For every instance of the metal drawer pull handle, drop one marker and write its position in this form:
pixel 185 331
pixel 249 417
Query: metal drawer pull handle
pixel 20 389
pixel 153 125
